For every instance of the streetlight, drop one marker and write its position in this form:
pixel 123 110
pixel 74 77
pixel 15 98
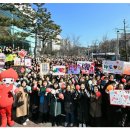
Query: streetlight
pixel 117 46
pixel 125 40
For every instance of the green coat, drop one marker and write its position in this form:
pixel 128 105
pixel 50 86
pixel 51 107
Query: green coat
pixel 55 106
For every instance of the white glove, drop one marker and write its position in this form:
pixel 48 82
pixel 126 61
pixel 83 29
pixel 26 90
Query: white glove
pixel 46 93
pixel 53 92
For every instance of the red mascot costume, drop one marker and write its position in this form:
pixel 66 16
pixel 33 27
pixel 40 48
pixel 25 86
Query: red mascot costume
pixel 7 89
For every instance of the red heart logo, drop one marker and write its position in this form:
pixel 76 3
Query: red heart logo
pixel 60 69
pixel 115 67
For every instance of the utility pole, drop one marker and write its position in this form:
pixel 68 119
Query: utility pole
pixel 125 40
pixel 117 46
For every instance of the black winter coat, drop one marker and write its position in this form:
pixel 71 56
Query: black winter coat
pixel 83 107
pixel 95 106
pixel 69 102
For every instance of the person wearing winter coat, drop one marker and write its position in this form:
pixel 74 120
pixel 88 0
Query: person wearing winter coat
pixel 22 103
pixel 43 102
pixel 55 104
pixel 122 113
pixel 82 106
pixel 127 87
pixel 34 98
pixel 69 106
pixel 110 109
pixel 95 107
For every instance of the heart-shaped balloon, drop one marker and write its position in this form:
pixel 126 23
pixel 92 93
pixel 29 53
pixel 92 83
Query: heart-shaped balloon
pixel 22 70
pixel 98 94
pixel 123 80
pixel 77 87
pixel 63 86
pixel 48 90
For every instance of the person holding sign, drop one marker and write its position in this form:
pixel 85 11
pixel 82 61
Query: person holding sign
pixel 110 109
pixel 122 114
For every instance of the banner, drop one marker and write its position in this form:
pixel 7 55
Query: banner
pixel 115 67
pixel 22 62
pixel 44 68
pixel 2 60
pixel 73 69
pixel 126 69
pixel 28 62
pixel 120 97
pixel 18 62
pixel 59 70
pixel 86 66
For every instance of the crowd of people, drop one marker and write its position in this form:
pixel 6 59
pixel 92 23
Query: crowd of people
pixel 68 100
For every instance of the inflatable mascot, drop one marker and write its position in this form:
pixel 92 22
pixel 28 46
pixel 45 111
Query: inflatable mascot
pixel 7 89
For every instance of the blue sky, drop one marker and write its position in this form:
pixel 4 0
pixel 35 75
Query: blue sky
pixel 89 21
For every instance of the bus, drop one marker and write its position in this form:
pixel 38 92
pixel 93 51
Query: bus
pixel 106 56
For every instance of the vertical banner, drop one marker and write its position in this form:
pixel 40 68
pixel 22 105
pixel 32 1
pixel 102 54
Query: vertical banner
pixel 126 69
pixel 2 60
pixel 115 67
pixel 120 97
pixel 59 70
pixel 44 68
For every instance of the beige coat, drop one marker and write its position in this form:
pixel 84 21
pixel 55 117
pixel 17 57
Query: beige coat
pixel 22 103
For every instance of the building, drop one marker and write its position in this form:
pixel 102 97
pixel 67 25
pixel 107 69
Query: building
pixel 13 29
pixel 56 45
